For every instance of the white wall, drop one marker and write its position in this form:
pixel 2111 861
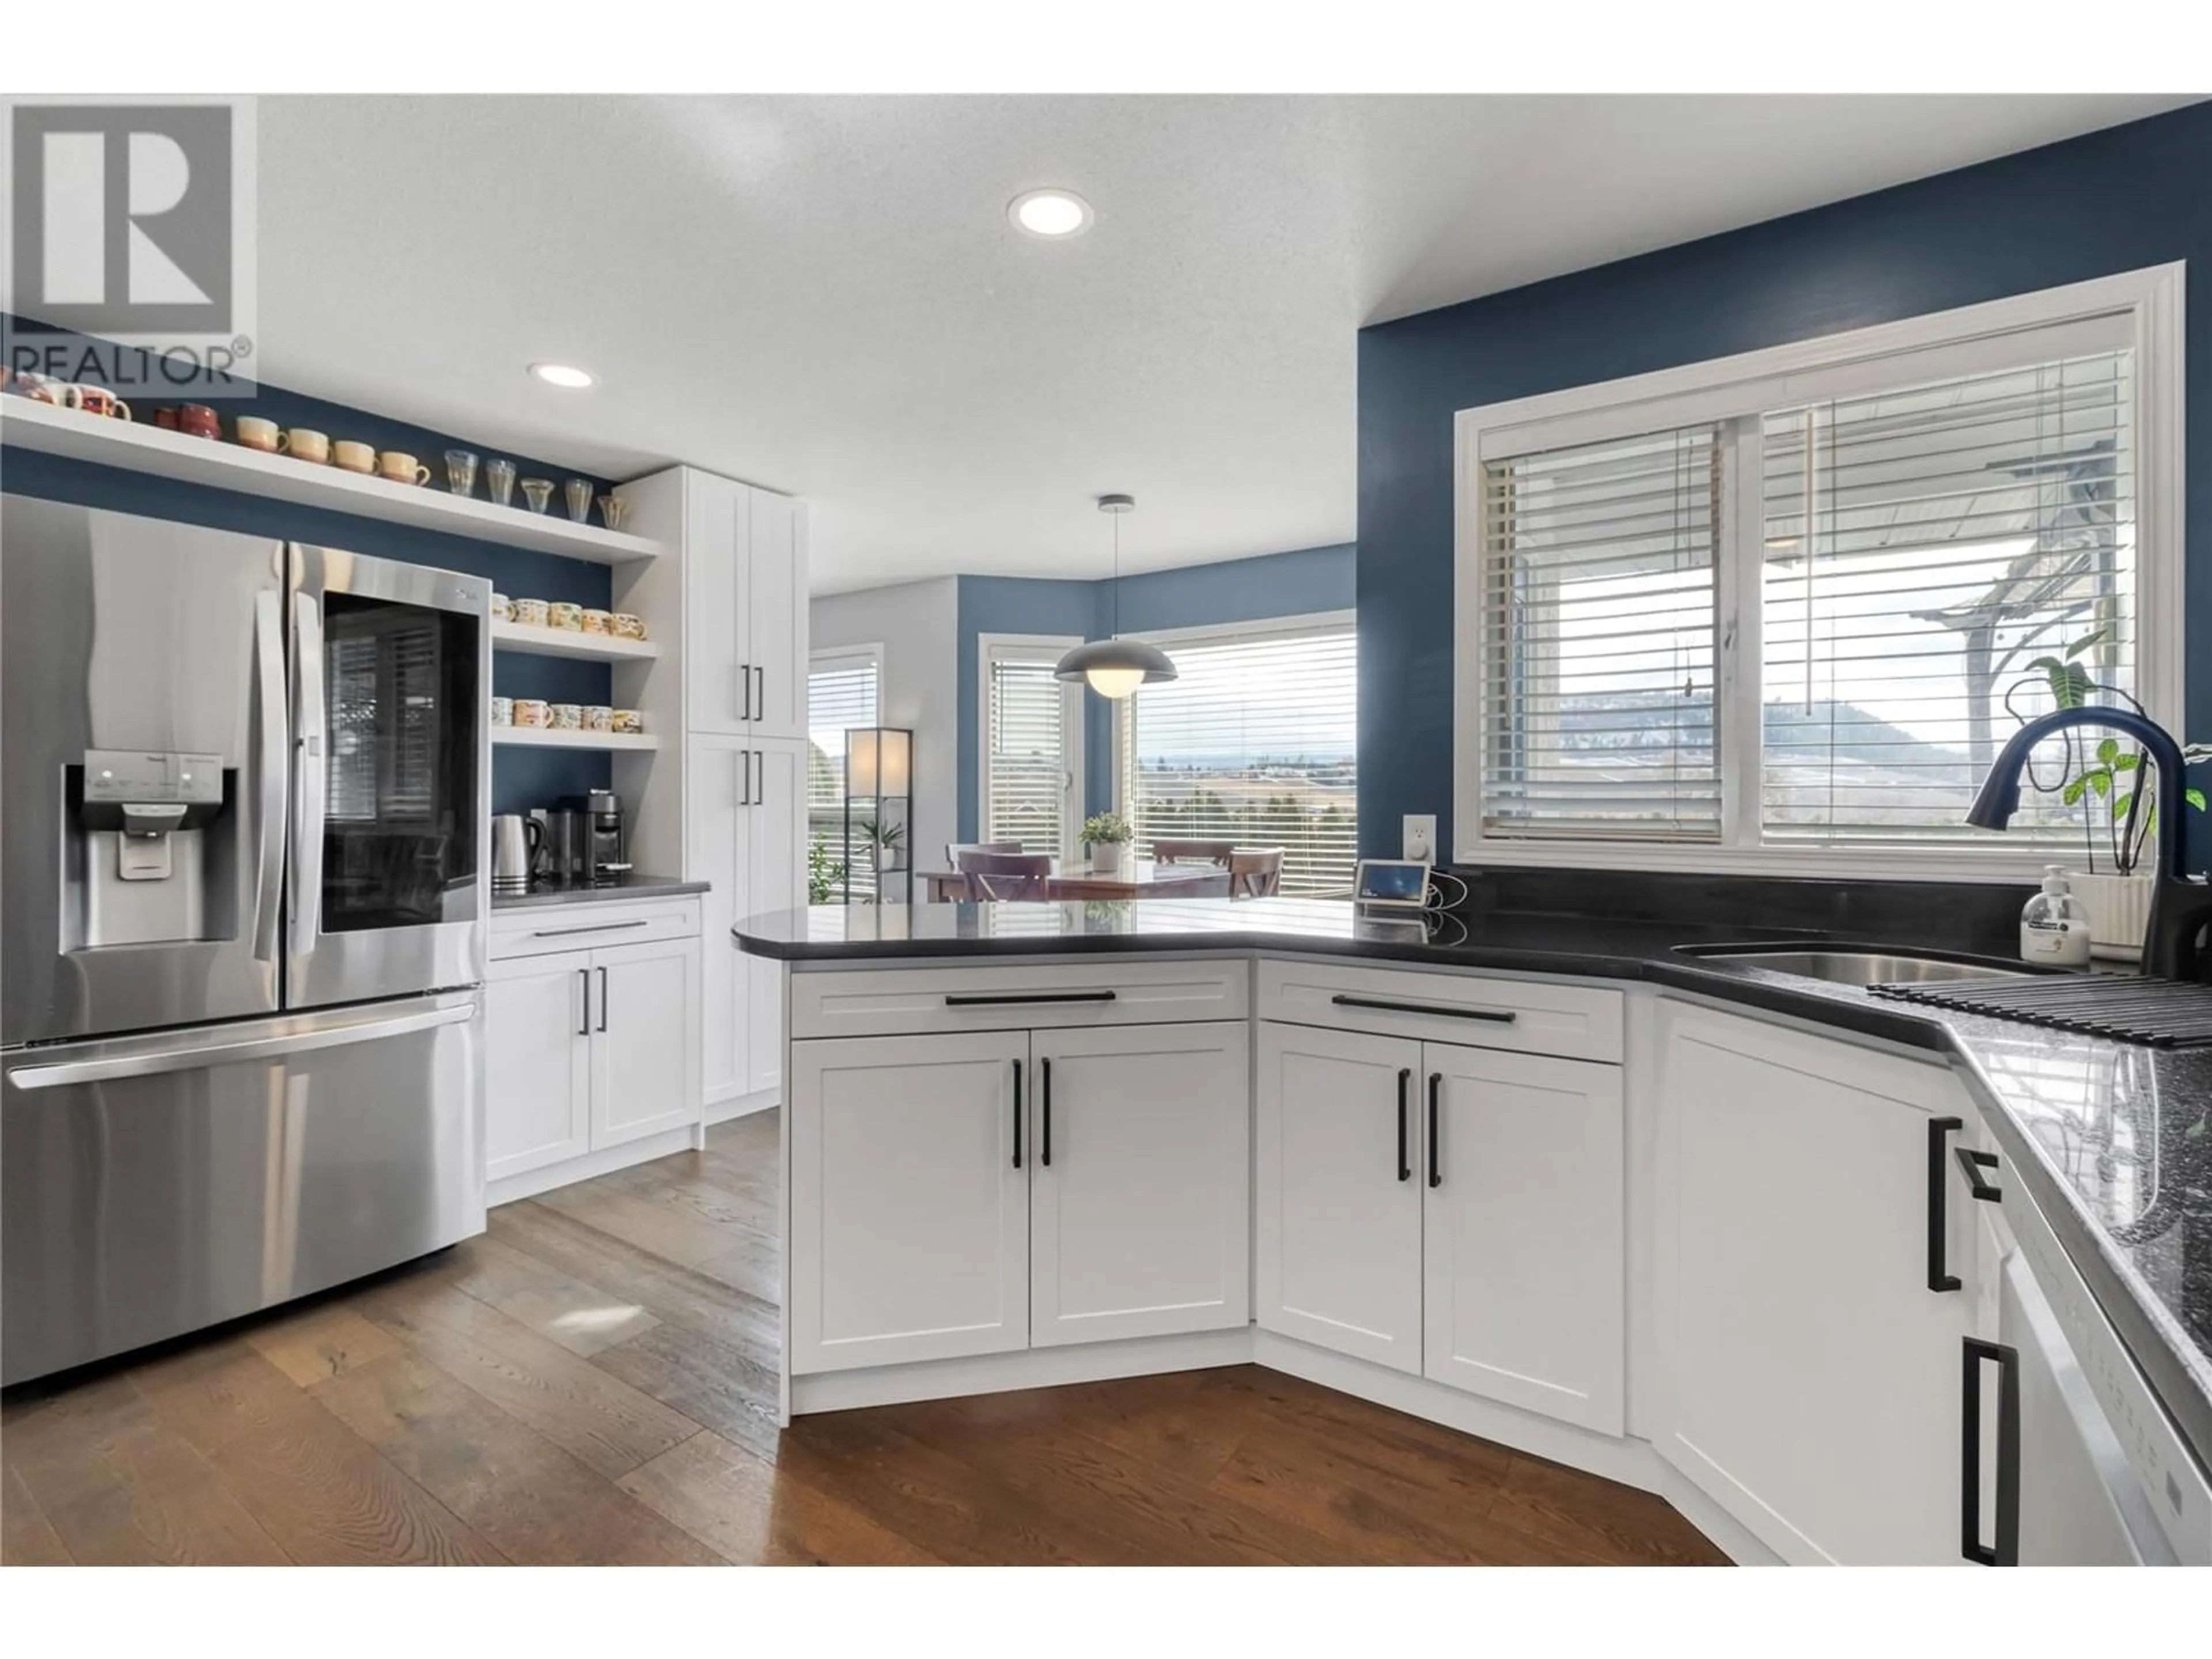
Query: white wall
pixel 917 626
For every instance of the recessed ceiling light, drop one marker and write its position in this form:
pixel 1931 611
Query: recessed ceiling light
pixel 1050 213
pixel 561 374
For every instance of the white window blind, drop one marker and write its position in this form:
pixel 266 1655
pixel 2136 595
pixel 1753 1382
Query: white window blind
pixel 1923 548
pixel 1599 591
pixel 1028 782
pixel 841 692
pixel 1252 743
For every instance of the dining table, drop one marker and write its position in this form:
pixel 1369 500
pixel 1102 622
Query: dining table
pixel 1074 878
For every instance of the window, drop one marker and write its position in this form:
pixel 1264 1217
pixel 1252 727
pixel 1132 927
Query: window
pixel 1783 611
pixel 841 692
pixel 1032 744
pixel 1254 742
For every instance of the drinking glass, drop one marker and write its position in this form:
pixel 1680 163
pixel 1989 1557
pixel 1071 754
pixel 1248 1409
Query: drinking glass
pixel 613 511
pixel 499 480
pixel 461 471
pixel 579 492
pixel 538 492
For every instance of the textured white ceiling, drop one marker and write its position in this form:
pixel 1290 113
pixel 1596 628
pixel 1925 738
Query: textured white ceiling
pixel 823 295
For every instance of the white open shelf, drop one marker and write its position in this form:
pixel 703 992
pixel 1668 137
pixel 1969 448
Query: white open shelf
pixel 142 447
pixel 566 642
pixel 545 736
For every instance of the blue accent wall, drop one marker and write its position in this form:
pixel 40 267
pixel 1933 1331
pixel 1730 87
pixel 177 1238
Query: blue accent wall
pixel 521 778
pixel 1270 585
pixel 2118 200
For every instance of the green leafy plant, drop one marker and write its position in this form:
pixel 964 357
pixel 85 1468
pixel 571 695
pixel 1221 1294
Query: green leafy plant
pixel 1106 829
pixel 825 876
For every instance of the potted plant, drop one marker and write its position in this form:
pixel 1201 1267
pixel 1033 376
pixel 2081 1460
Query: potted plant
pixel 881 841
pixel 1106 834
pixel 2118 791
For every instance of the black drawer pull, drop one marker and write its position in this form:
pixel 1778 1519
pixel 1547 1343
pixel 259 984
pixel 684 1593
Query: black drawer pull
pixel 1404 1167
pixel 2004 1551
pixel 1495 1016
pixel 1044 1135
pixel 1016 999
pixel 1940 1130
pixel 1973 1163
pixel 1435 1145
pixel 1017 1114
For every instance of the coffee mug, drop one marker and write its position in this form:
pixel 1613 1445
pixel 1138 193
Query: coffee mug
pixel 166 419
pixel 563 615
pixel 567 716
pixel 256 434
pixel 598 621
pixel 94 400
pixel 626 720
pixel 597 717
pixel 353 457
pixel 502 608
pixel 199 421
pixel 532 711
pixel 627 626
pixel 502 711
pixel 402 468
pixel 530 613
pixel 307 444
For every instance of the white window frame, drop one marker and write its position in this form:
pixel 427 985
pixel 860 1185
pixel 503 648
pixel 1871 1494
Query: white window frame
pixel 2145 306
pixel 987 646
pixel 828 659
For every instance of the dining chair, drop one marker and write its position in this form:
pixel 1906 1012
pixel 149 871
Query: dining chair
pixel 1003 877
pixel 1194 852
pixel 1256 872
pixel 953 849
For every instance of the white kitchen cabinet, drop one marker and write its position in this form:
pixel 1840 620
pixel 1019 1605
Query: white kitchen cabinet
pixel 746 833
pixel 538 1074
pixel 1523 1258
pixel 909 1199
pixel 1140 1223
pixel 1813 1373
pixel 773 607
pixel 745 609
pixel 1338 1192
pixel 645 1039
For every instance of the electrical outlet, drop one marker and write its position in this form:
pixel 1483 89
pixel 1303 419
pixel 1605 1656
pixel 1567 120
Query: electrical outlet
pixel 1420 837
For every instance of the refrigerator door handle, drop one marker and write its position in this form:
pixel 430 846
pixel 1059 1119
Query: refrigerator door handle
pixel 226 1047
pixel 309 781
pixel 274 733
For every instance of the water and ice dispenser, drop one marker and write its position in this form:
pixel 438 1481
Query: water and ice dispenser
pixel 145 871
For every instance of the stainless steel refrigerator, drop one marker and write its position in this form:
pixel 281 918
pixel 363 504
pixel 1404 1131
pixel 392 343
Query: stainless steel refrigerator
pixel 244 902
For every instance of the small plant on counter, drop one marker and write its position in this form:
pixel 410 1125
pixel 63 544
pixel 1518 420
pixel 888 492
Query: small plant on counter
pixel 1107 829
pixel 825 876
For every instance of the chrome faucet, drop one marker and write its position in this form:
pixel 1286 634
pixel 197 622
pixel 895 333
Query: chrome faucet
pixel 2179 908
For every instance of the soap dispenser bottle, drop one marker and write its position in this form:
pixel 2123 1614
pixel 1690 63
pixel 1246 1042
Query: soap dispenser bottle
pixel 2054 929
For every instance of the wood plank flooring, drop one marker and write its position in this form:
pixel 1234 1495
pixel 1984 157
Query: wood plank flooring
pixel 594 1380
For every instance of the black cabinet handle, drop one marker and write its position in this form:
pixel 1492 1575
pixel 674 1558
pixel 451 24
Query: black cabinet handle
pixel 760 707
pixel 603 999
pixel 585 1028
pixel 1017 1114
pixel 1973 1163
pixel 1495 1016
pixel 1044 1132
pixel 1436 1158
pixel 2005 1551
pixel 1013 998
pixel 1405 1079
pixel 1940 1130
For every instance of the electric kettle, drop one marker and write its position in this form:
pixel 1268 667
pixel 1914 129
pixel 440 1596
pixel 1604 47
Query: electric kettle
pixel 514 840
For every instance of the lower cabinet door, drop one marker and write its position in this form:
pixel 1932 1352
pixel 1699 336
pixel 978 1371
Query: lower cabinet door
pixel 714 852
pixel 775 855
pixel 909 1199
pixel 1338 1192
pixel 1524 1261
pixel 645 1039
pixel 538 1074
pixel 1140 1218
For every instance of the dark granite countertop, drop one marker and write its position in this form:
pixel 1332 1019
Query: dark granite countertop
pixel 630 887
pixel 2114 1140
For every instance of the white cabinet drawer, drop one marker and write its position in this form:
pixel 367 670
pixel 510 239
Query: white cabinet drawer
pixel 1524 1016
pixel 539 929
pixel 899 1001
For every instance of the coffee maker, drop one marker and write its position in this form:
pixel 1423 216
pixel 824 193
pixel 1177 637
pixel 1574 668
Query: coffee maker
pixel 604 859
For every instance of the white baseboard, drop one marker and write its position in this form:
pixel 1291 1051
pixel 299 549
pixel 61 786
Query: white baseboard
pixel 1031 1368
pixel 606 1161
pixel 730 1106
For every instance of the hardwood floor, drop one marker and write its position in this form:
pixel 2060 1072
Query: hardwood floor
pixel 594 1382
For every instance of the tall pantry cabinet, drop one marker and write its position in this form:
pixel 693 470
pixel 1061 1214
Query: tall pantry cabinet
pixel 730 779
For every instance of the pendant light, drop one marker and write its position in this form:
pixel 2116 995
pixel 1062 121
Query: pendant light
pixel 1115 667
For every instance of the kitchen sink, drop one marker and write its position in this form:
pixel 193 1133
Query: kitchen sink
pixel 1860 964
